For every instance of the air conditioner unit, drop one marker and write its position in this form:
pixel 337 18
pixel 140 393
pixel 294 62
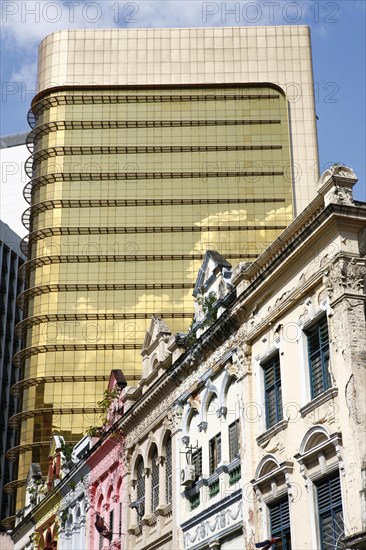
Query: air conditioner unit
pixel 188 475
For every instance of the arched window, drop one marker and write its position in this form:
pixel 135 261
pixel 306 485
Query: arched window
pixel 271 484
pixel 139 484
pixel 140 478
pixel 214 433
pixel 321 462
pixel 168 471
pixel 154 479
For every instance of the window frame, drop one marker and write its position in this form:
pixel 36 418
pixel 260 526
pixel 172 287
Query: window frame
pixel 273 364
pixel 285 527
pixel 323 352
pixel 140 485
pixel 140 478
pixel 234 444
pixel 120 520
pixel 214 452
pixel 155 480
pixel 197 463
pixel 111 521
pixel 330 509
pixel 169 470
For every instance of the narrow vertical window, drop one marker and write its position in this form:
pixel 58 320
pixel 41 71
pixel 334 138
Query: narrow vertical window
pixel 330 512
pixel 273 390
pixel 197 463
pixel 154 480
pixel 111 522
pixel 318 355
pixel 120 520
pixel 168 471
pixel 279 515
pixel 233 440
pixel 215 452
pixel 140 487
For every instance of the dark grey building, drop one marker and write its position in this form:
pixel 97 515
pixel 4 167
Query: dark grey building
pixel 11 258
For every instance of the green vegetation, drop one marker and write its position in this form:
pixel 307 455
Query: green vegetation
pixel 104 404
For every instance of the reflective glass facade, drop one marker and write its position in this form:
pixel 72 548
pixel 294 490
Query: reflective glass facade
pixel 129 188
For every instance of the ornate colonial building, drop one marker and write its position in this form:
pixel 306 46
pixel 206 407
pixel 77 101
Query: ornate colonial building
pixel 253 425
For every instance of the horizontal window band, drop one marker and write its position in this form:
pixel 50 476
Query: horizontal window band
pixel 96 258
pixel 55 126
pixel 29 293
pixel 97 203
pixel 16 419
pixel 120 150
pixel 60 231
pixel 66 317
pixel 12 486
pixel 18 388
pixel 134 176
pixel 14 453
pixel 61 100
pixel 25 353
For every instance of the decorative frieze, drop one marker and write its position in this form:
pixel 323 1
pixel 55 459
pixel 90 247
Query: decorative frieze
pixel 346 275
pixel 226 520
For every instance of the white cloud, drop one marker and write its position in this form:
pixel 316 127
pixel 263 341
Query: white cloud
pixel 26 22
pixel 27 74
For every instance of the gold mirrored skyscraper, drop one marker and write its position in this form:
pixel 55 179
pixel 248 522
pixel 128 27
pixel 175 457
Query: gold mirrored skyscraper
pixel 148 148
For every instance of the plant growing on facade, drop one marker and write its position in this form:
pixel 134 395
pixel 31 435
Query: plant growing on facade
pixel 34 490
pixel 72 485
pixel 66 449
pixel 191 337
pixel 208 308
pixel 63 517
pixel 104 404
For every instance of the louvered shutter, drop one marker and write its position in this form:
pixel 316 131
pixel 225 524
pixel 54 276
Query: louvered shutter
pixel 279 513
pixel 331 524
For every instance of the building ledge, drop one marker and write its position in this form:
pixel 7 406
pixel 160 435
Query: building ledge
pixel 331 393
pixel 266 436
pixel 356 542
pixel 134 529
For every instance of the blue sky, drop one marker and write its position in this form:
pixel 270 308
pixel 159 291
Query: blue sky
pixel 338 41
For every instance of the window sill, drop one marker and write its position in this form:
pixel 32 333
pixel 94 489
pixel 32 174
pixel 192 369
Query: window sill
pixel 331 393
pixel 234 464
pixel 193 490
pixel 134 530
pixel 163 510
pixel 267 435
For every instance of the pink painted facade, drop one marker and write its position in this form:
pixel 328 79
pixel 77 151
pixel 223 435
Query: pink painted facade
pixel 105 481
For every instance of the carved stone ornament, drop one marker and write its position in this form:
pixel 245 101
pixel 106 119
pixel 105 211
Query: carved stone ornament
pixel 175 418
pixel 222 412
pixel 202 426
pixel 336 184
pixel 216 524
pixel 345 276
pixel 340 194
pixel 194 402
pixel 242 361
pixel 232 368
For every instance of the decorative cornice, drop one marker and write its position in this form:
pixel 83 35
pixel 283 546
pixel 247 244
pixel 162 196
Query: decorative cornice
pixel 329 394
pixel 265 437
